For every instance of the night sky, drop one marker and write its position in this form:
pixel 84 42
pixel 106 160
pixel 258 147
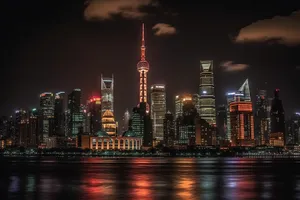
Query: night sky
pixel 60 45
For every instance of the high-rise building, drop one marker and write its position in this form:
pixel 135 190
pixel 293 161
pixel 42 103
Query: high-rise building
pixel 205 133
pixel 94 114
pixel 136 123
pixel 109 123
pixel 33 128
pixel 230 97
pixel 4 125
pixel 59 114
pixel 158 111
pixel 21 128
pixel 207 92
pixel 196 101
pixel 179 101
pixel 47 115
pixel 187 127
pixel 243 94
pixel 75 120
pixel 169 129
pixel 221 122
pixel 277 135
pixel 262 117
pixel 107 94
pixel 242 123
pixel 143 68
pixel 293 129
pixel 126 119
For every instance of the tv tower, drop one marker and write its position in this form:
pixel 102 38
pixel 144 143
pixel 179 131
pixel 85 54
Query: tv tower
pixel 143 68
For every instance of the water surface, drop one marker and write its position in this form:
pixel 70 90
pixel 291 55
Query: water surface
pixel 149 178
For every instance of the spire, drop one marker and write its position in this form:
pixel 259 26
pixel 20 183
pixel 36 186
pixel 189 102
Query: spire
pixel 245 90
pixel 143 48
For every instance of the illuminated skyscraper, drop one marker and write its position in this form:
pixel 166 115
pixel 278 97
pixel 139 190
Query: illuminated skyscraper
pixel 169 129
pixel 21 127
pixel 262 117
pixel 126 119
pixel 158 111
pixel 109 123
pixel 75 119
pixel 47 114
pixel 143 68
pixel 243 94
pixel 207 92
pixel 242 123
pixel 179 101
pixel 196 101
pixel 94 115
pixel 59 114
pixel 107 94
pixel 33 128
pixel 277 121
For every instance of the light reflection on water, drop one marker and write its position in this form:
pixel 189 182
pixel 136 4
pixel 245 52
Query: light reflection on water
pixel 150 178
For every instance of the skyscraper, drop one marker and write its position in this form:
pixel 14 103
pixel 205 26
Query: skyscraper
pixel 242 123
pixel 143 68
pixel 207 92
pixel 277 121
pixel 169 129
pixel 59 114
pixel 107 94
pixel 33 128
pixel 293 129
pixel 196 101
pixel 179 101
pixel 126 119
pixel 262 117
pixel 221 122
pixel 187 124
pixel 75 120
pixel 94 114
pixel 47 114
pixel 108 123
pixel 158 111
pixel 21 127
pixel 243 94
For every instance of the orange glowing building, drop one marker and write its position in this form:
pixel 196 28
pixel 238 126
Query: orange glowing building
pixel 242 123
pixel 108 123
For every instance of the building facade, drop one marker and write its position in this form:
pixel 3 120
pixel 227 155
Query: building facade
pixel 169 130
pixel 75 118
pixel 277 135
pixel 262 117
pixel 207 92
pixel 109 123
pixel 47 114
pixel 158 111
pixel 94 115
pixel 107 94
pixel 59 114
pixel 242 123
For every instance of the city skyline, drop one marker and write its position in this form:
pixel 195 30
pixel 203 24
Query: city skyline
pixel 167 56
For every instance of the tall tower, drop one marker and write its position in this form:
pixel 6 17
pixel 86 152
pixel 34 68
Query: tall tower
pixel 207 92
pixel 158 111
pixel 107 94
pixel 143 68
pixel 47 113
